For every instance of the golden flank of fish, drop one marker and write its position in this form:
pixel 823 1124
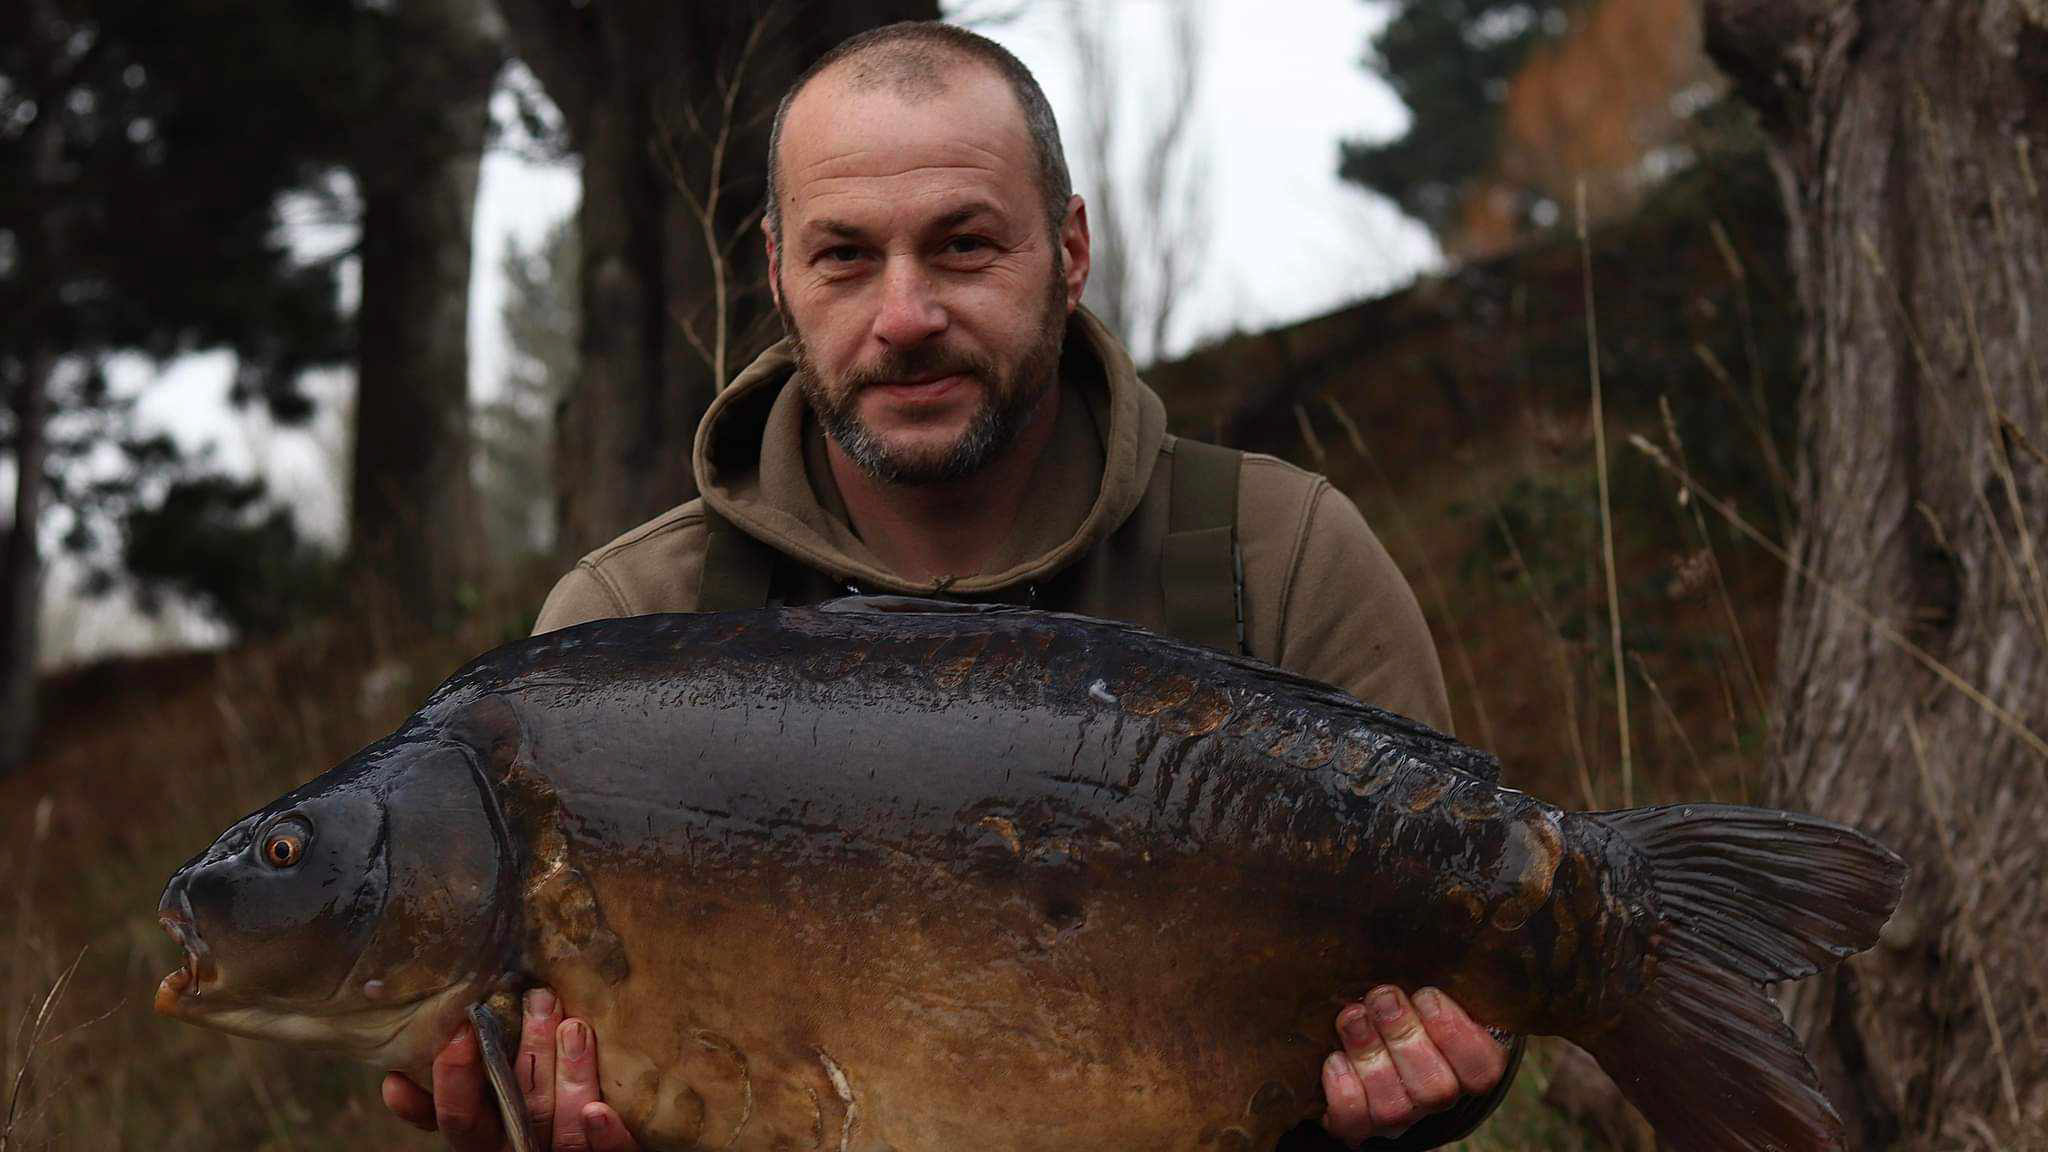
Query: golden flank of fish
pixel 895 875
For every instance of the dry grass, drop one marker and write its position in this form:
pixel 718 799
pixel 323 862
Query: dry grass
pixel 1883 629
pixel 1628 777
pixel 144 764
pixel 1439 597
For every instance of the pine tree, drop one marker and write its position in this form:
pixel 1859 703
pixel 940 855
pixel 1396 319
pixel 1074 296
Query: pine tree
pixel 1452 63
pixel 143 144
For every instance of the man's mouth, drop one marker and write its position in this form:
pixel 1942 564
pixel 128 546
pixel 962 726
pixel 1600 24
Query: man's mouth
pixel 922 386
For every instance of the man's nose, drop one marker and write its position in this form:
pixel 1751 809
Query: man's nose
pixel 911 312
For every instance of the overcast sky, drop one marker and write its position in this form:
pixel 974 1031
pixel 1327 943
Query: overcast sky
pixel 1285 238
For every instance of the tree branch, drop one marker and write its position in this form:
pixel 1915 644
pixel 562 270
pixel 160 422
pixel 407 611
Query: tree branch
pixel 556 40
pixel 1767 47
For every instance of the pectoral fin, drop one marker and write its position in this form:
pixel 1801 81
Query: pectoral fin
pixel 490 1041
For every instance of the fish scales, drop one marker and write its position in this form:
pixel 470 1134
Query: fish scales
pixel 1268 806
pixel 887 876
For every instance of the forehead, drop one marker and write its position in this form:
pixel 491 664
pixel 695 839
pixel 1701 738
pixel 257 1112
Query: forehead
pixel 846 144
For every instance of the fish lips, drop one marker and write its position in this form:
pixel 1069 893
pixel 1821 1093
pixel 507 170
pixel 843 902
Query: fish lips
pixel 174 914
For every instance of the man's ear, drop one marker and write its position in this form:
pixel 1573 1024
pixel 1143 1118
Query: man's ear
pixel 1074 250
pixel 774 272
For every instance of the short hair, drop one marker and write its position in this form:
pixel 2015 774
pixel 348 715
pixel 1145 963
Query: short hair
pixel 911 58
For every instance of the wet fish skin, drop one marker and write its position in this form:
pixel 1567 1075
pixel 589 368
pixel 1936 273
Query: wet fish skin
pixel 869 878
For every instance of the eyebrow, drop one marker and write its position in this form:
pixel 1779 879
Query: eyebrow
pixel 837 228
pixel 965 213
pixel 972 210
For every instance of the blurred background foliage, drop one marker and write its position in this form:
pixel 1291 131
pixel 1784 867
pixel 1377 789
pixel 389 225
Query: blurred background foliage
pixel 295 185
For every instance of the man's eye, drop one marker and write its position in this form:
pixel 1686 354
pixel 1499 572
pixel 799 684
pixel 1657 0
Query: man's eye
pixel 843 254
pixel 966 245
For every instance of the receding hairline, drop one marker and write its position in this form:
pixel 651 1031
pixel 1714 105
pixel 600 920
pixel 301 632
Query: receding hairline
pixel 921 61
pixel 890 69
pixel 913 69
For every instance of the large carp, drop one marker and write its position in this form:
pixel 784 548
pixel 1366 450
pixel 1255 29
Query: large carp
pixel 892 876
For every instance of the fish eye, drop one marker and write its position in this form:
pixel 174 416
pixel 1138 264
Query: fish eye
pixel 285 844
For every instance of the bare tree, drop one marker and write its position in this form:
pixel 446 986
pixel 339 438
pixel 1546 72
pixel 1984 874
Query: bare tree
pixel 1913 656
pixel 21 584
pixel 702 151
pixel 623 73
pixel 21 578
pixel 415 522
pixel 515 430
pixel 1148 233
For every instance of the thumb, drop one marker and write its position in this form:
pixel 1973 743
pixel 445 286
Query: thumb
pixel 607 1131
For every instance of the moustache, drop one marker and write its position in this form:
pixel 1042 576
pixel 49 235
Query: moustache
pixel 919 364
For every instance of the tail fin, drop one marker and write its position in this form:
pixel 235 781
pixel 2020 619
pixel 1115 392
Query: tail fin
pixel 1746 896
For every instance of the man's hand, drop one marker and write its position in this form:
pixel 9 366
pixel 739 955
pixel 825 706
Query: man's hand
pixel 1403 1061
pixel 557 1070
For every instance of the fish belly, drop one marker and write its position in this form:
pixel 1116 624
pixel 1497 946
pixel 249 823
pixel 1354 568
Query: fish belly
pixel 910 1005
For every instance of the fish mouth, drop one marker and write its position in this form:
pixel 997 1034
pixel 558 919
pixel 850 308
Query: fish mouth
pixel 190 980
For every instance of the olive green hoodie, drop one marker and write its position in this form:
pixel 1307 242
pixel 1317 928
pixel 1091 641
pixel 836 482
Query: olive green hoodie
pixel 1321 596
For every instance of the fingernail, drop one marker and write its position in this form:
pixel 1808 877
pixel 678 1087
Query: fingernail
pixel 597 1120
pixel 539 1003
pixel 462 1041
pixel 1336 1064
pixel 575 1039
pixel 1386 1005
pixel 1430 1003
pixel 1352 1026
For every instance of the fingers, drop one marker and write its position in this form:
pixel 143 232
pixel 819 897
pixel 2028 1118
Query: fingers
pixel 1349 1116
pixel 1371 1061
pixel 1473 1053
pixel 408 1101
pixel 607 1132
pixel 1397 1068
pixel 575 1085
pixel 534 1066
pixel 1425 1075
pixel 463 1108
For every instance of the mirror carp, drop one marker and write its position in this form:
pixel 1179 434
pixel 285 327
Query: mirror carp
pixel 898 875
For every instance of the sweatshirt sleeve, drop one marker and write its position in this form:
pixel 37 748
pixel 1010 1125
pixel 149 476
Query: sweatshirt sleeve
pixel 580 596
pixel 1349 618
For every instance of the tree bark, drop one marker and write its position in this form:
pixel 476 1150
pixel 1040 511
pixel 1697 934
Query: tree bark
pixel 1910 138
pixel 641 85
pixel 21 580
pixel 40 247
pixel 415 522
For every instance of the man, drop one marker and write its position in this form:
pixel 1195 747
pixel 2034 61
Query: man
pixel 944 419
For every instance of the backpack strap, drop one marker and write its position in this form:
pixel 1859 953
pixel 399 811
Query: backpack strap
pixel 739 571
pixel 1201 570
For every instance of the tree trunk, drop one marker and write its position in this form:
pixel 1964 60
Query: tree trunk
pixel 642 86
pixel 415 528
pixel 40 245
pixel 1910 139
pixel 21 581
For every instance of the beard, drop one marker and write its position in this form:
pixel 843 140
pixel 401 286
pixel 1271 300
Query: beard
pixel 1008 400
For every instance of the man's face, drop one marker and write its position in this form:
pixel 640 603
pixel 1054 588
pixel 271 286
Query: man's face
pixel 923 291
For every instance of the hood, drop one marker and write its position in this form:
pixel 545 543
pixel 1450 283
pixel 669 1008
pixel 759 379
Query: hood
pixel 751 468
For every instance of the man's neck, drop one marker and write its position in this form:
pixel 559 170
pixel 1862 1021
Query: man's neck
pixel 952 530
